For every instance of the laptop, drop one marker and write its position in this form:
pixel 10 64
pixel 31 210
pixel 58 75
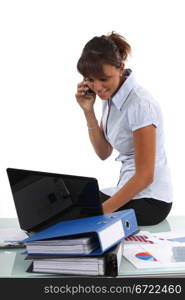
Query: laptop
pixel 43 199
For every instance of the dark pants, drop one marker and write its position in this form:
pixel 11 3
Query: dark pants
pixel 148 211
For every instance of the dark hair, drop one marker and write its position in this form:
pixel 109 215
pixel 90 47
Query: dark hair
pixel 110 49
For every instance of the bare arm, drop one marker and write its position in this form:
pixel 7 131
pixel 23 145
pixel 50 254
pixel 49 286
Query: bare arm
pixel 145 144
pixel 102 148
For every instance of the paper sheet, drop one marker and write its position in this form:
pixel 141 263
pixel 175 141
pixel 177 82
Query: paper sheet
pixel 11 234
pixel 154 251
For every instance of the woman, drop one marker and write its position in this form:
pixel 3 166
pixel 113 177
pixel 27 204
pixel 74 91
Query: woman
pixel 131 123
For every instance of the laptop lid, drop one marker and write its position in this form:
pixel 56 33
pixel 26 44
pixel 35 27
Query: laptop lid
pixel 42 199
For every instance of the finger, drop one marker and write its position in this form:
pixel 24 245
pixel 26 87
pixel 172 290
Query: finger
pixel 83 89
pixel 81 84
pixel 80 93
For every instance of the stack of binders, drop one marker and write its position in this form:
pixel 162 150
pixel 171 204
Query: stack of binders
pixel 86 246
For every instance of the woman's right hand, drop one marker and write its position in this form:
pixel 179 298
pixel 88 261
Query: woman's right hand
pixel 86 101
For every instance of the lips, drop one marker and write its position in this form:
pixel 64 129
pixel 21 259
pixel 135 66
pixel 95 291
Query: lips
pixel 103 93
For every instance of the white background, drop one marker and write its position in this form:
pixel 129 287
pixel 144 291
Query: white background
pixel 41 125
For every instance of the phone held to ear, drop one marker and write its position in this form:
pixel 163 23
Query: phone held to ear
pixel 89 91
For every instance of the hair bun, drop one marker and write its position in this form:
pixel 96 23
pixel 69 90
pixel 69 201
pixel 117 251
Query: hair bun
pixel 121 43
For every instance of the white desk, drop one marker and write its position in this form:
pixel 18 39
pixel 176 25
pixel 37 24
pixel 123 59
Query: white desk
pixel 12 263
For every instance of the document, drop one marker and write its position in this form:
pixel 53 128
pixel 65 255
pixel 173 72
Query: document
pixel 153 251
pixel 9 235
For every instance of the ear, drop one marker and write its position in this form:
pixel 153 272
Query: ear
pixel 122 68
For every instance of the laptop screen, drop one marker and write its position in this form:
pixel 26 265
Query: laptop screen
pixel 42 199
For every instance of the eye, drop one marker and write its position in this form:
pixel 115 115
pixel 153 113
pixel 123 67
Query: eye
pixel 105 78
pixel 89 79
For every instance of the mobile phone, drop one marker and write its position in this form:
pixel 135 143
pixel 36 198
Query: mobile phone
pixel 89 91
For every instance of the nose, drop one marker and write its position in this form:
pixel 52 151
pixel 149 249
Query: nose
pixel 97 85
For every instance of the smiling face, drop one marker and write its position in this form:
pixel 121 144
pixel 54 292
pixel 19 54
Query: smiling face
pixel 108 84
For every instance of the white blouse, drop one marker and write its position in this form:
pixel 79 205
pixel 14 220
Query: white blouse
pixel 131 108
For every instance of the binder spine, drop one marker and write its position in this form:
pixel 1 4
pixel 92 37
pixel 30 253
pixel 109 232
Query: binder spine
pixel 111 234
pixel 111 265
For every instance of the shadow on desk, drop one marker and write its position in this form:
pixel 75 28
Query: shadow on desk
pixel 164 226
